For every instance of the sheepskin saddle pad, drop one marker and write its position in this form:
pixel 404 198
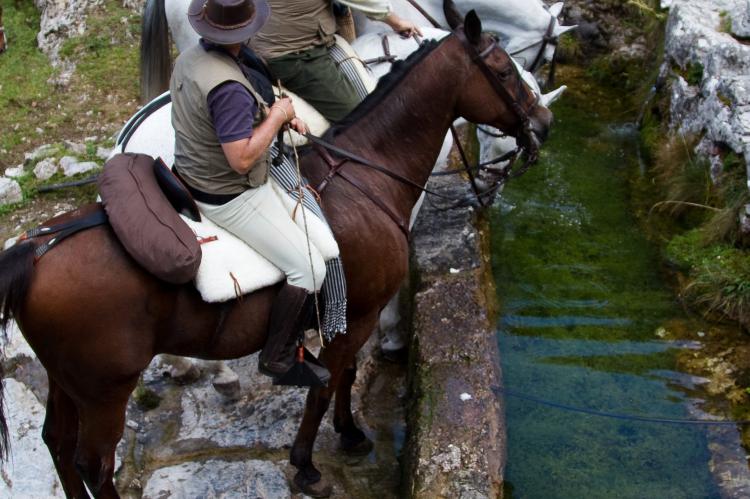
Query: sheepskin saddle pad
pixel 230 268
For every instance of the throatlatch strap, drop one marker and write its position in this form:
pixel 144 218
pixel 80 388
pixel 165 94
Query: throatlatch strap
pixel 63 231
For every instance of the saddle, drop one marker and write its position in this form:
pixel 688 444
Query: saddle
pixel 154 216
pixel 144 216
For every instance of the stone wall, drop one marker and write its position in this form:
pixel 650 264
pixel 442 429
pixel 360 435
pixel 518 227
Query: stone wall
pixel 707 70
pixel 456 421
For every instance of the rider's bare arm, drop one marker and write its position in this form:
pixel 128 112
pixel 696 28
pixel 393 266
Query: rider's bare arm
pixel 401 26
pixel 244 153
pixel 380 10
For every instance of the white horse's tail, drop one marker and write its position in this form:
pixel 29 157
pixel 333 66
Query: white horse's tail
pixel 155 56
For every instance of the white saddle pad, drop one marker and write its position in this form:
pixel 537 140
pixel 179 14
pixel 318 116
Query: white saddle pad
pixel 230 268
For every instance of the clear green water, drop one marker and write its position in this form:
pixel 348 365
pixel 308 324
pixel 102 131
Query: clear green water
pixel 582 299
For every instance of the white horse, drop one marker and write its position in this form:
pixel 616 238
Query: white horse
pixel 521 25
pixel 528 30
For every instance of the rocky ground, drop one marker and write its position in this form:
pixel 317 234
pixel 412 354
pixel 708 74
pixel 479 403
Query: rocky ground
pixel 198 443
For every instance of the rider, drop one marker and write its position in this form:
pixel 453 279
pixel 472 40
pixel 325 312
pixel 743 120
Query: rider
pixel 296 43
pixel 224 127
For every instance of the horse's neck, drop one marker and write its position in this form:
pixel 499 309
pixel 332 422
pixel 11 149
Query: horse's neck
pixel 405 130
pixel 498 16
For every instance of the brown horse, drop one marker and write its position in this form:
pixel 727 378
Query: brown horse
pixel 96 319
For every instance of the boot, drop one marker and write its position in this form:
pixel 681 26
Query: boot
pixel 283 356
pixel 290 313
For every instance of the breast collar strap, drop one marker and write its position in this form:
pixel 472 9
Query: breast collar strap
pixel 335 168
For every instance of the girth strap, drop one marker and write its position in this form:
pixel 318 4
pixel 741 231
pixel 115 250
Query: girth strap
pixel 63 231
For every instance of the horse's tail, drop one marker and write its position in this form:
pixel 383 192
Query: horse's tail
pixel 16 266
pixel 155 56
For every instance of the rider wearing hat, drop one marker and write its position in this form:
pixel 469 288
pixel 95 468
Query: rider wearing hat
pixel 296 43
pixel 224 125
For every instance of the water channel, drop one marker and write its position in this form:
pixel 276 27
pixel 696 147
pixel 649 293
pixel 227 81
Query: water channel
pixel 587 319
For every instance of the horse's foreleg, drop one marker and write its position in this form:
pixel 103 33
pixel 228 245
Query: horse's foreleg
pixel 101 426
pixel 60 434
pixel 337 357
pixel 353 441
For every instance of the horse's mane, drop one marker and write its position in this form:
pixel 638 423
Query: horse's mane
pixel 387 83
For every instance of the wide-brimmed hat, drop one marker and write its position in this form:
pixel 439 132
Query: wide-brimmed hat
pixel 228 21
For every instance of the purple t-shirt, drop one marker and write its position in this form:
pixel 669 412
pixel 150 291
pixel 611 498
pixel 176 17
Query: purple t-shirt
pixel 232 110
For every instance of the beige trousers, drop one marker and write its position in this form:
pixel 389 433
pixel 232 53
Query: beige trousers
pixel 262 219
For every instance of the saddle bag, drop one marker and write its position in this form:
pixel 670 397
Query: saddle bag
pixel 145 222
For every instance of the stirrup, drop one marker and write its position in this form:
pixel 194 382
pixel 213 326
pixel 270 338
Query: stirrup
pixel 306 371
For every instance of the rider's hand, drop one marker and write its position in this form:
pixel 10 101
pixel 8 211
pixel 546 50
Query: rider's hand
pixel 284 108
pixel 402 26
pixel 299 126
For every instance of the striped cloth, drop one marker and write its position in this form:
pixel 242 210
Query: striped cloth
pixel 334 285
pixel 347 67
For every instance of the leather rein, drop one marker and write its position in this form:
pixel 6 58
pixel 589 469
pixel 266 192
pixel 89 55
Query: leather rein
pixel 324 148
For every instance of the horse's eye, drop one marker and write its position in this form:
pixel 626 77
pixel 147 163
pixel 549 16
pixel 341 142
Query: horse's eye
pixel 504 74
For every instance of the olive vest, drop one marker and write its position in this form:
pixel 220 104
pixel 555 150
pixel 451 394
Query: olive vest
pixel 294 26
pixel 198 156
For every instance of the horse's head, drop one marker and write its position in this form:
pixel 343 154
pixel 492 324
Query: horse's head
pixel 494 91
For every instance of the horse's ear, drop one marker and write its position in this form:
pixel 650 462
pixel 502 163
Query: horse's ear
pixel 473 27
pixel 451 14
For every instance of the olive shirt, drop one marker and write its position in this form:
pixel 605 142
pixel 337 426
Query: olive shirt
pixel 295 43
pixel 199 157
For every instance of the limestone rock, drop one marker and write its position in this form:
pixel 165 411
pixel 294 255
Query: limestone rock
pixel 75 147
pixel 17 345
pixel 10 242
pixel 741 22
pixel 41 152
pixel 29 472
pixel 103 152
pixel 45 169
pixel 15 171
pixel 215 478
pixel 10 191
pixel 76 168
pixel 719 104
pixel 269 420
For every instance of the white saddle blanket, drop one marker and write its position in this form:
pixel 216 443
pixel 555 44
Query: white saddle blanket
pixel 230 268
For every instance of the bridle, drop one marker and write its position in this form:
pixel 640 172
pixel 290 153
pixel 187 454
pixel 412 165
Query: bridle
pixel 521 109
pixel 497 82
pixel 548 39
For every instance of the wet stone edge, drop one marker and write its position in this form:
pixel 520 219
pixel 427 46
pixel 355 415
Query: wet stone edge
pixel 456 424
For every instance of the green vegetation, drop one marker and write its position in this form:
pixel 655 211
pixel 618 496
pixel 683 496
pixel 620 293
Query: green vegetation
pixel 697 217
pixel 719 275
pixel 725 22
pixel 694 73
pixel 145 398
pixel 24 91
pixel 648 9
pixel 102 93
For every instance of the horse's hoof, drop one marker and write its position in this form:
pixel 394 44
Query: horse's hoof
pixel 321 488
pixel 185 374
pixel 229 388
pixel 356 449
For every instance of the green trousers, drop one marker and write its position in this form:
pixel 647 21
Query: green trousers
pixel 314 76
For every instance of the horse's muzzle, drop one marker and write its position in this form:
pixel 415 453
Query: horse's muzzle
pixel 535 131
